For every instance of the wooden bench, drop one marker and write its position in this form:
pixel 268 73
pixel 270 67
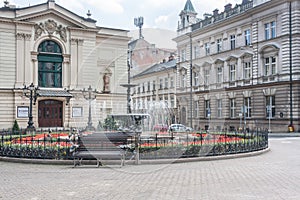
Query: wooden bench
pixel 101 146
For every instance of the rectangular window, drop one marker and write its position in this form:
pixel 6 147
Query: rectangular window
pixel 219 75
pixel 270 66
pixel 232 42
pixel 161 84
pixel 247 70
pixel 207 49
pixel 172 82
pixel 148 86
pixel 232 73
pixel 183 80
pixel 247 107
pixel 219 111
pixel 183 55
pixel 172 101
pixel 196 108
pixel 196 78
pixel 166 82
pixel 232 108
pixel 143 86
pixel 270 106
pixel 207 108
pixel 154 85
pixel 247 37
pixel 270 30
pixel 219 45
pixel 196 51
pixel 206 77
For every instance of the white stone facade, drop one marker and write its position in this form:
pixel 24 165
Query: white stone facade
pixel 91 56
pixel 241 59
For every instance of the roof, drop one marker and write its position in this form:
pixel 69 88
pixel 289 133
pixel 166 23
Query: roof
pixel 158 68
pixel 189 7
pixel 54 93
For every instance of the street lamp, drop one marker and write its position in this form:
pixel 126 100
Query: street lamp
pixel 90 96
pixel 32 96
pixel 129 85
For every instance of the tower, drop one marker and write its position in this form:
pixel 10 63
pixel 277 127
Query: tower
pixel 187 15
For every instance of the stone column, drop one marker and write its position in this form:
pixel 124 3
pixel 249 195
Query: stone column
pixel 74 64
pixel 34 62
pixel 20 74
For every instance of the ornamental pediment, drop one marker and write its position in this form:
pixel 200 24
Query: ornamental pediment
pixel 42 12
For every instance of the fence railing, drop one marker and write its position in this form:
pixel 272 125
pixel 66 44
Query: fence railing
pixel 56 145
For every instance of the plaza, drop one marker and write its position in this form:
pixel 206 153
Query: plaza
pixel 272 175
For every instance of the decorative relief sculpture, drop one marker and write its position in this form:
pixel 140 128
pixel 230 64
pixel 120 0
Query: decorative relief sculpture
pixel 51 27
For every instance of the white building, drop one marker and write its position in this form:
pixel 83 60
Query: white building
pixel 240 61
pixel 62 54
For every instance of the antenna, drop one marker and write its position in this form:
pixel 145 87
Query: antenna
pixel 139 22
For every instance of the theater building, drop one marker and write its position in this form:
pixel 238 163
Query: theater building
pixel 75 67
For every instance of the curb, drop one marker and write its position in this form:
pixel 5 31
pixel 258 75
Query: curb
pixel 132 162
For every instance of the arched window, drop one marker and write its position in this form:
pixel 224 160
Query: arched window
pixel 50 64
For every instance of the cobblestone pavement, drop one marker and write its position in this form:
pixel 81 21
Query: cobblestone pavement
pixel 273 175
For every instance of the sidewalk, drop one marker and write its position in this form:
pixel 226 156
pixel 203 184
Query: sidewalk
pixel 294 134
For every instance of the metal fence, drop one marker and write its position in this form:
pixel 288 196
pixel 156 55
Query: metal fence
pixel 56 145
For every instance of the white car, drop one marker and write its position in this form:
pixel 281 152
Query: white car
pixel 179 128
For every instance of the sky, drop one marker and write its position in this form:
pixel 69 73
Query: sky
pixel 120 14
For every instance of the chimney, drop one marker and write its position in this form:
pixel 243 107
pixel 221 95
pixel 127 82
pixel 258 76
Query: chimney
pixel 228 7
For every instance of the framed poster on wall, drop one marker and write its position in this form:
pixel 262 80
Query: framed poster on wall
pixel 77 112
pixel 22 111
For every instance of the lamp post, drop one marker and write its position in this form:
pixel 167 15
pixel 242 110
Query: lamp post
pixel 129 85
pixel 32 97
pixel 89 95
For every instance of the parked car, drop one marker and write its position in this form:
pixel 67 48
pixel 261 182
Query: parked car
pixel 160 127
pixel 177 128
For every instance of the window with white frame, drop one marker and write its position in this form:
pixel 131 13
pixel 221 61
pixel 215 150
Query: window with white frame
pixel 183 80
pixel 172 101
pixel 247 107
pixel 196 108
pixel 247 37
pixel 270 106
pixel 219 74
pixel 148 86
pixel 270 66
pixel 247 70
pixel 270 30
pixel 143 87
pixel 219 45
pixel 196 78
pixel 166 82
pixel 161 83
pixel 154 85
pixel 207 108
pixel 232 42
pixel 219 107
pixel 196 51
pixel 232 108
pixel 206 77
pixel 183 55
pixel 172 82
pixel 207 48
pixel 232 72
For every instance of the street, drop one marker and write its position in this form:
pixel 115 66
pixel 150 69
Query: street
pixel 272 175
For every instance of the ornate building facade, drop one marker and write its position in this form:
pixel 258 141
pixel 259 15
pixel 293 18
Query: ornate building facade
pixel 73 66
pixel 240 67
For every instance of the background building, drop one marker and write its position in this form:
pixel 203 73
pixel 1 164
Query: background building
pixel 62 54
pixel 240 66
pixel 155 92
